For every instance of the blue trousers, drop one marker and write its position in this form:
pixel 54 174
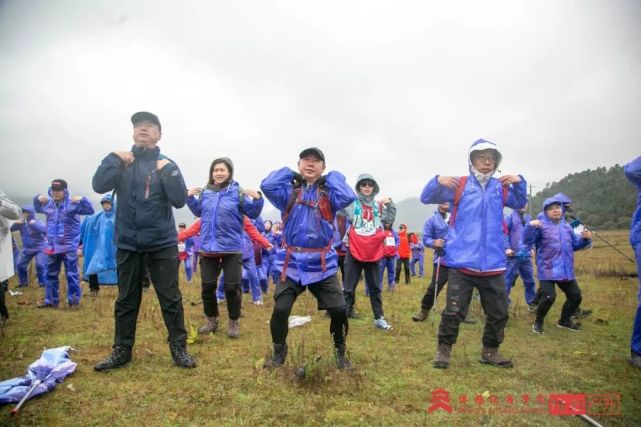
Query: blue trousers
pixel 388 263
pixel 54 263
pixel 417 258
pixel 636 329
pixel 520 266
pixel 189 267
pixel 23 267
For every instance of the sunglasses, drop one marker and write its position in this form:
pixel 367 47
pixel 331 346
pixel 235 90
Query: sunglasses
pixel 366 184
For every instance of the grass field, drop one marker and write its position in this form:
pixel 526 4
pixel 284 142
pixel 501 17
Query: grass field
pixel 391 385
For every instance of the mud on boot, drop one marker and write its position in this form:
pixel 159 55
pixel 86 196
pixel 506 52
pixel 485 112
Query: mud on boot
pixel 279 357
pixel 120 356
pixel 491 356
pixel 442 357
pixel 421 316
pixel 181 357
pixel 342 362
pixel 210 326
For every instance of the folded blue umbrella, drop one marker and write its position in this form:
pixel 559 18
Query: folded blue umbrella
pixel 42 376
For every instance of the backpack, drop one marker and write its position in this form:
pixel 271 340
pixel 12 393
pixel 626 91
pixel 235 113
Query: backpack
pixel 457 198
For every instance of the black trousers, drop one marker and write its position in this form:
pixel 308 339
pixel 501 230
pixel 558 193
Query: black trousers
pixel 459 294
pixel 353 270
pixel 210 268
pixel 329 296
pixel 93 282
pixel 428 299
pixel 548 296
pixel 405 263
pixel 4 286
pixel 163 269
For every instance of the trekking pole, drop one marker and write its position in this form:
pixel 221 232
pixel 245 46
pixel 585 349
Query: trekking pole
pixel 34 384
pixel 597 234
pixel 435 306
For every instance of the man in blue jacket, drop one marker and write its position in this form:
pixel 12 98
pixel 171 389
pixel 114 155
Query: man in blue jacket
pixel 63 238
pixel 633 173
pixel 308 201
pixel 474 247
pixel 519 255
pixel 33 234
pixel 148 185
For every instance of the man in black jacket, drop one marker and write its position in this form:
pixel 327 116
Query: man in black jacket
pixel 147 184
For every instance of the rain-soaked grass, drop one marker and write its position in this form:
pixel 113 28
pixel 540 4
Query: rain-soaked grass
pixel 392 383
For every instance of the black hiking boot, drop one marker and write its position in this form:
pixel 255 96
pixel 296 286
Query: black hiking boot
pixel 120 356
pixel 537 328
pixel 279 357
pixel 421 316
pixel 635 360
pixel 181 357
pixel 570 325
pixel 491 356
pixel 442 357
pixel 342 362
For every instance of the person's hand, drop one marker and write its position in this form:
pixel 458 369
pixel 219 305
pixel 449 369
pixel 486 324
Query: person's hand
pixel 43 199
pixel 161 164
pixel 586 234
pixel 270 247
pixel 194 191
pixel 509 252
pixel 438 243
pixel 297 178
pixel 33 221
pixel 79 252
pixel 509 179
pixel 19 221
pixel 448 181
pixel 386 200
pixel 252 193
pixel 76 199
pixel 126 156
pixel 535 223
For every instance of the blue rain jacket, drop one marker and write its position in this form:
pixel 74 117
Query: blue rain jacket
pixel 305 227
pixel 514 238
pixel 98 249
pixel 221 214
pixel 555 245
pixel 144 216
pixel 63 222
pixel 435 228
pixel 33 235
pixel 633 172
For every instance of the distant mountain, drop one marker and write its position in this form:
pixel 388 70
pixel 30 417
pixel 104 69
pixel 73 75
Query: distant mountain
pixel 413 213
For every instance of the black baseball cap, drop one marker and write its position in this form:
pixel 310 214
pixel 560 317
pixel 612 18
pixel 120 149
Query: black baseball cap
pixel 58 184
pixel 182 225
pixel 312 151
pixel 142 116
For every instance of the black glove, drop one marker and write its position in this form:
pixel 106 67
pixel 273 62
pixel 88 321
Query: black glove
pixel 297 179
pixel 322 180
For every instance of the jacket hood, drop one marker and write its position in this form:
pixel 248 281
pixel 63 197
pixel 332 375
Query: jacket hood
pixel 552 200
pixel 363 177
pixel 106 198
pixel 30 210
pixel 230 165
pixel 480 145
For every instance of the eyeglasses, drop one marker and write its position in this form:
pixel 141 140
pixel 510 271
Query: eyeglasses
pixel 366 184
pixel 145 124
pixel 483 158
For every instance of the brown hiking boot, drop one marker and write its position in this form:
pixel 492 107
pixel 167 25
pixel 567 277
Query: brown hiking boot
pixel 234 328
pixel 442 357
pixel 420 316
pixel 210 326
pixel 491 356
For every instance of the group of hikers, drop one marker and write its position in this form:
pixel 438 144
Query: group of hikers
pixel 325 226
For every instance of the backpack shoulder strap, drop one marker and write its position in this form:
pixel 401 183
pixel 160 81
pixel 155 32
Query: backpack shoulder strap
pixel 290 203
pixel 457 198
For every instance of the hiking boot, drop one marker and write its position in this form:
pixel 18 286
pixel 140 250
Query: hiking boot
pixel 421 315
pixel 120 356
pixel 234 328
pixel 353 314
pixel 532 307
pixel 635 360
pixel 581 314
pixel 381 323
pixel 181 357
pixel 210 326
pixel 279 357
pixel 537 328
pixel 468 320
pixel 491 356
pixel 442 357
pixel 342 362
pixel 568 324
pixel 258 302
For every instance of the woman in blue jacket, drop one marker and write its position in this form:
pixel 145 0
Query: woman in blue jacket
pixel 221 206
pixel 555 245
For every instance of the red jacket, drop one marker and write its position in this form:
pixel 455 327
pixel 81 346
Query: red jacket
pixel 404 251
pixel 249 228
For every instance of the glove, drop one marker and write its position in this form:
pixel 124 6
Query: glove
pixel 297 179
pixel 322 180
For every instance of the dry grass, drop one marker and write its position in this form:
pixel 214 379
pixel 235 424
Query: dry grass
pixel 391 385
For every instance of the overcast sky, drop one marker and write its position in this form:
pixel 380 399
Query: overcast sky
pixel 397 89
